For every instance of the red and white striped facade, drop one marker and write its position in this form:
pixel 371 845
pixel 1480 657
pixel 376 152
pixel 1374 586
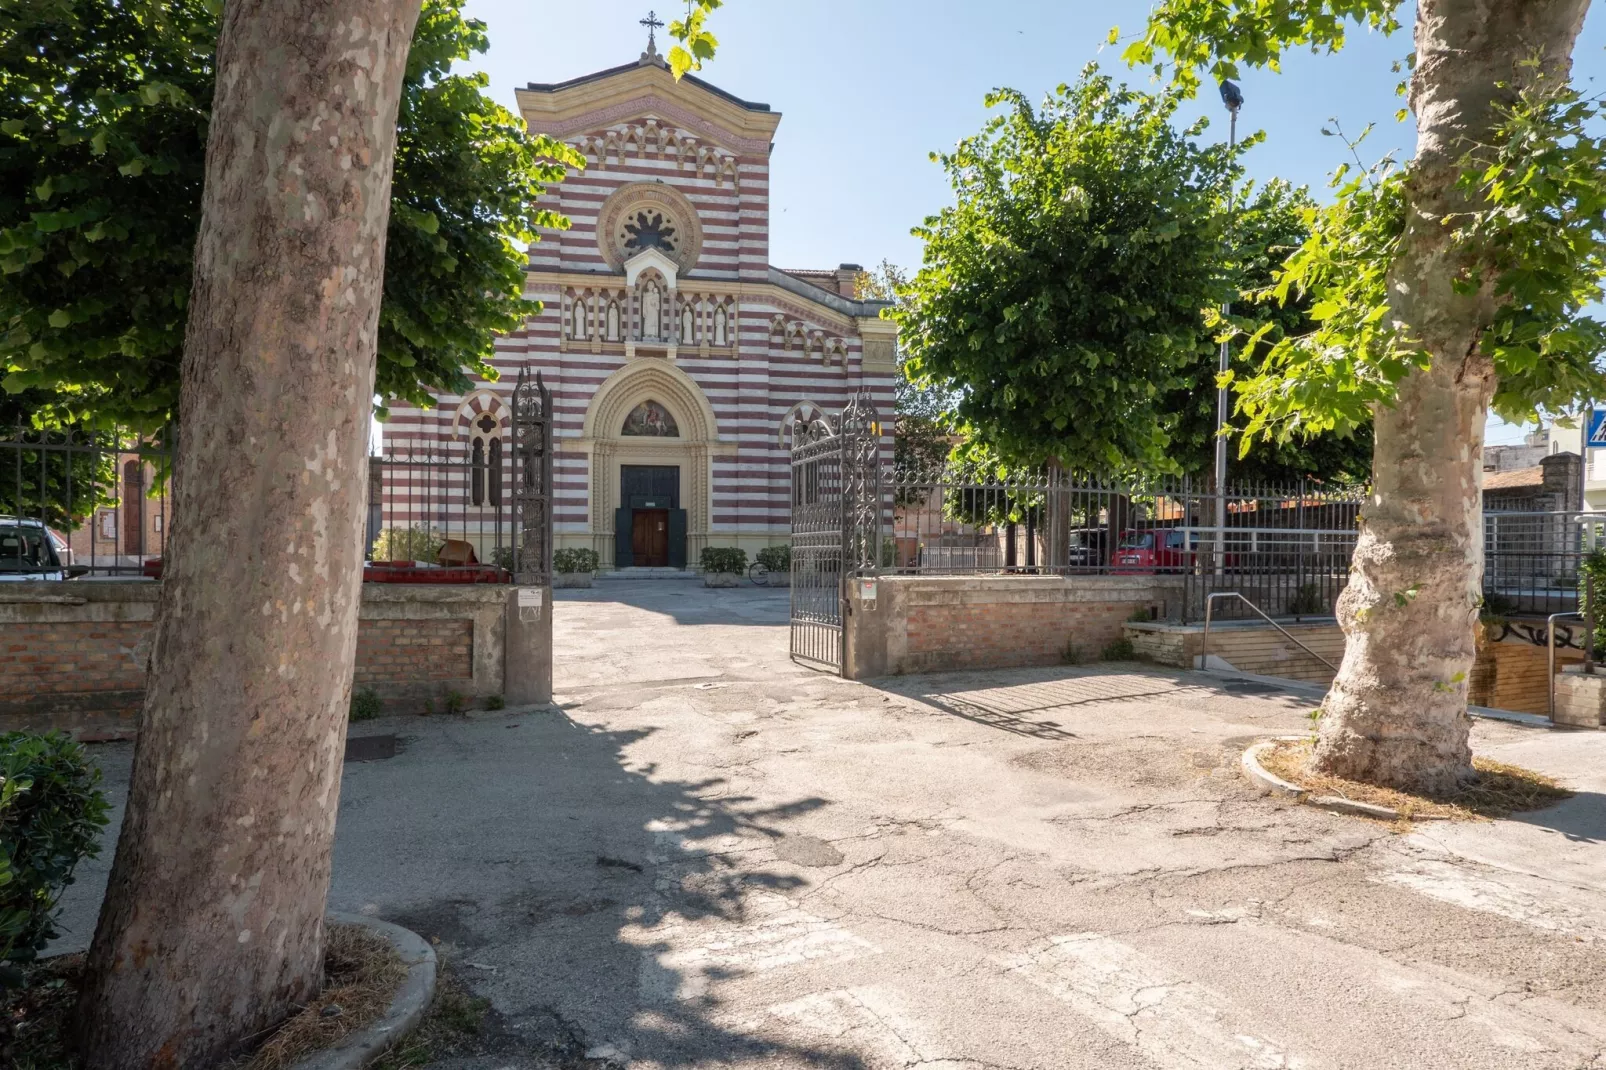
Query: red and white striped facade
pixel 661 290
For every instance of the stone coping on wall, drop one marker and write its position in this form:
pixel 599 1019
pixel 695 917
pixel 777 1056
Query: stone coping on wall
pixel 960 590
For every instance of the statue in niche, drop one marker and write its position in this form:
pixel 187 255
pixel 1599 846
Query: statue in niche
pixel 650 420
pixel 651 314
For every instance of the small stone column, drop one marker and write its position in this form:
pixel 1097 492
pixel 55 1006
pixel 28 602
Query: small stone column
pixel 527 670
pixel 1580 698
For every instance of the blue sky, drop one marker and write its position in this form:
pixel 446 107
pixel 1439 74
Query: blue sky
pixel 869 88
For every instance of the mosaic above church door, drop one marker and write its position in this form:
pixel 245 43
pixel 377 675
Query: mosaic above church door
pixel 650 420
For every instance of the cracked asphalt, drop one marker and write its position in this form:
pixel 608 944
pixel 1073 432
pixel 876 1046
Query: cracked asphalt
pixel 711 857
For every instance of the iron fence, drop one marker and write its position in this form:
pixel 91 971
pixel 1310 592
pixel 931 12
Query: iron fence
pixel 1287 549
pixel 103 497
pixel 1531 560
pixel 441 503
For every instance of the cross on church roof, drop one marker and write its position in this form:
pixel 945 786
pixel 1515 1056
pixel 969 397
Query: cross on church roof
pixel 653 24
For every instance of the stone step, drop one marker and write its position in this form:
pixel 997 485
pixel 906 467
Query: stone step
pixel 647 574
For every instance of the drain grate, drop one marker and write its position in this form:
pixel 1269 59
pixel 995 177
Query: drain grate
pixel 370 748
pixel 1249 687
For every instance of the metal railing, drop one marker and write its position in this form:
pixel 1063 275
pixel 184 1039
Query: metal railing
pixel 1531 561
pixel 1286 547
pixel 441 503
pixel 104 496
pixel 1210 602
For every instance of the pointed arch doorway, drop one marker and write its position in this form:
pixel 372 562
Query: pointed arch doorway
pixel 652 437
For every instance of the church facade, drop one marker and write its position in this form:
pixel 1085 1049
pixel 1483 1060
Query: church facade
pixel 678 358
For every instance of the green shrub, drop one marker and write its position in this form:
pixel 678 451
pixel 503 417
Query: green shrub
pixel 1308 601
pixel 417 543
pixel 502 557
pixel 1120 650
pixel 724 559
pixel 365 704
pixel 495 702
pixel 776 558
pixel 51 814
pixel 455 703
pixel 1071 655
pixel 575 560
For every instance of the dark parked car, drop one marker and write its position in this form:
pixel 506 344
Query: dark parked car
pixel 28 552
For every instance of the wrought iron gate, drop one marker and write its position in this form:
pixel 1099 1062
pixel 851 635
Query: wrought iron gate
pixel 532 482
pixel 836 525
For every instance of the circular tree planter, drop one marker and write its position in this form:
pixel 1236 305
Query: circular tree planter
pixel 363 1046
pixel 722 579
pixel 1272 784
pixel 572 579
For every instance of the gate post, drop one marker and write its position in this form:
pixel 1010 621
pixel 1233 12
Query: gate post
pixel 527 665
pixel 860 437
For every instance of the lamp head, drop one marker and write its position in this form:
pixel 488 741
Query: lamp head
pixel 1231 95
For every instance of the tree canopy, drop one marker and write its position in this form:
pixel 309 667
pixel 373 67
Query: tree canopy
pixel 1536 213
pixel 103 126
pixel 1062 301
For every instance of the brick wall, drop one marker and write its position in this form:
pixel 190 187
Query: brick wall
pixel 72 658
pixel 931 623
pixel 409 651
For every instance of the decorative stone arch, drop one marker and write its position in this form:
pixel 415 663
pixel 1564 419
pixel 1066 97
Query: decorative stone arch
pixel 805 411
pixel 692 452
pixel 484 401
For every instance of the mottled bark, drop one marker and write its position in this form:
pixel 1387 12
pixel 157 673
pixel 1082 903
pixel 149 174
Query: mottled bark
pixel 1397 713
pixel 212 929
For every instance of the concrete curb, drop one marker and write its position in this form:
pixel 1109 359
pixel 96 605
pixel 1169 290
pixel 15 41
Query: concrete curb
pixel 1271 784
pixel 406 1010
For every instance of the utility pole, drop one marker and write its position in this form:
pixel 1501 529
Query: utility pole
pixel 1233 98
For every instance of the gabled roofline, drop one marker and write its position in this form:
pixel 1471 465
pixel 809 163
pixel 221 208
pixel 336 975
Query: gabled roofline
pixel 597 76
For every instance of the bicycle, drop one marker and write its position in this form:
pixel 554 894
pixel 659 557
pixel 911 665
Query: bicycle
pixel 758 574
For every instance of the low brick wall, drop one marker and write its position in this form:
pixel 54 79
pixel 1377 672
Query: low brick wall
pixel 73 657
pixel 928 623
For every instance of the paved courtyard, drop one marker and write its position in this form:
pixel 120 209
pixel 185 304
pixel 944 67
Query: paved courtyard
pixel 714 858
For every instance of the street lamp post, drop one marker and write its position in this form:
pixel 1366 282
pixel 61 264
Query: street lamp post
pixel 1233 98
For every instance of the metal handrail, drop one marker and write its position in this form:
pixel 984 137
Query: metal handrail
pixel 1550 658
pixel 1210 607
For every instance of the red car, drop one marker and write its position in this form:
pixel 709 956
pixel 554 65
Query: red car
pixel 1156 550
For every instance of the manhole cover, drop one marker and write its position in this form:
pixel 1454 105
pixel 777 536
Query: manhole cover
pixel 370 748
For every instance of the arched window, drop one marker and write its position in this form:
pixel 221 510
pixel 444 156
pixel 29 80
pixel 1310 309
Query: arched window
pixel 486 445
pixel 496 472
pixel 613 321
pixel 578 329
pixel 688 326
pixel 721 328
pixel 477 473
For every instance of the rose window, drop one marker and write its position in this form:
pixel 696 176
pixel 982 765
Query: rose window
pixel 649 229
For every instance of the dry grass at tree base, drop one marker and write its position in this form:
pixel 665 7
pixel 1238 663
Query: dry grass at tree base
pixel 1497 791
pixel 361 975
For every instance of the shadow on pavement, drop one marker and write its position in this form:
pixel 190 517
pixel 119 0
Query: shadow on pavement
pixel 689 602
pixel 581 893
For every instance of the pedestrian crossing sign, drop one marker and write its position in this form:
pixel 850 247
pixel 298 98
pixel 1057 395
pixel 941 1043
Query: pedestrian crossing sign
pixel 1597 429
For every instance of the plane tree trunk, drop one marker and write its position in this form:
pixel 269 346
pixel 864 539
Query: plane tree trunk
pixel 1397 712
pixel 212 928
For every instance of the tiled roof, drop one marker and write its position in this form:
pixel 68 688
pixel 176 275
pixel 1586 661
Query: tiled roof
pixel 1515 478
